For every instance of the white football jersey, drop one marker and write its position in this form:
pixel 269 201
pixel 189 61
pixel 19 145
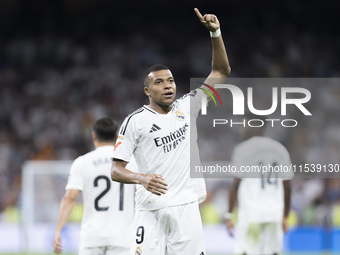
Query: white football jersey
pixel 108 205
pixel 161 145
pixel 261 199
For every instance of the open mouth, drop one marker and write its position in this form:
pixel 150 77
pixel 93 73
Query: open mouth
pixel 168 94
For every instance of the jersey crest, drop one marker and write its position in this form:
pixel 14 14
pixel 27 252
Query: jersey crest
pixel 179 116
pixel 138 251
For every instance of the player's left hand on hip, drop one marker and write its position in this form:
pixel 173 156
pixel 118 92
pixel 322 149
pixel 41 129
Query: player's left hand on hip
pixel 210 21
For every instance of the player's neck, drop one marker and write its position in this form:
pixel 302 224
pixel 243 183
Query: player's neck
pixel 100 144
pixel 160 109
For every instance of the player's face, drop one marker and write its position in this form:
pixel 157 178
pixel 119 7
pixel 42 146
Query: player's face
pixel 162 88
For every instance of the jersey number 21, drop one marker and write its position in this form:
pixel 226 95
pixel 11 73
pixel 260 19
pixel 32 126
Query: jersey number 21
pixel 107 189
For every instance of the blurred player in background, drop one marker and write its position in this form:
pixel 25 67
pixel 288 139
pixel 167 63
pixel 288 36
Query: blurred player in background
pixel 167 219
pixel 264 199
pixel 108 206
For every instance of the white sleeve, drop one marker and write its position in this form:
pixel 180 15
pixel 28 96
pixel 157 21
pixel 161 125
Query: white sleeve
pixel 237 161
pixel 75 178
pixel 132 165
pixel 126 142
pixel 236 158
pixel 286 162
pixel 196 101
pixel 286 156
pixel 193 100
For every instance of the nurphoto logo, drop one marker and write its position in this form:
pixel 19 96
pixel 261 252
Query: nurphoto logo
pixel 239 104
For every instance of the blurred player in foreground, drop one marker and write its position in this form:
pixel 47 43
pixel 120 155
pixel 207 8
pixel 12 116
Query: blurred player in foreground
pixel 167 217
pixel 108 206
pixel 264 199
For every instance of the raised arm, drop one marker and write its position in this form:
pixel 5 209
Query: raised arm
pixel 152 182
pixel 220 64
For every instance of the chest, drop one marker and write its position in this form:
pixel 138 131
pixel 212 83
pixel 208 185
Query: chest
pixel 166 132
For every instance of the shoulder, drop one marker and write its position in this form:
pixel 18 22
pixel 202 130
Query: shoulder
pixel 195 93
pixel 239 148
pixel 101 151
pixel 139 112
pixel 88 156
pixel 191 101
pixel 78 163
pixel 274 144
pixel 80 159
pixel 261 142
pixel 135 116
pixel 249 145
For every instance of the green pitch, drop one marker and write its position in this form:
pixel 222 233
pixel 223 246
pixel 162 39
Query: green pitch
pixel 207 254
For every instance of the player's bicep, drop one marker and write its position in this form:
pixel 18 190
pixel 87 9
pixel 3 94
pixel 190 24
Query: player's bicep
pixel 213 79
pixel 118 163
pixel 72 194
pixel 118 169
pixel 286 184
pixel 236 184
pixel 286 161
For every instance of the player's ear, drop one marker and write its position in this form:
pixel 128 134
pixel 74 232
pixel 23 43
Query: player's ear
pixel 146 91
pixel 94 137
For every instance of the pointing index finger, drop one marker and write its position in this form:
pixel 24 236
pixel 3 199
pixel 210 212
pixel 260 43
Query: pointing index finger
pixel 199 15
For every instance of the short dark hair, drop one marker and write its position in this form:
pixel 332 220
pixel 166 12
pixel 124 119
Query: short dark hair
pixel 151 69
pixel 105 129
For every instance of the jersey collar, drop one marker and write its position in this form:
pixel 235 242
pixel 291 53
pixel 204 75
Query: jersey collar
pixel 154 112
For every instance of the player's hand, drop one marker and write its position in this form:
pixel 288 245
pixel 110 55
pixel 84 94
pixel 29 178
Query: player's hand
pixel 57 248
pixel 230 226
pixel 284 224
pixel 210 21
pixel 154 183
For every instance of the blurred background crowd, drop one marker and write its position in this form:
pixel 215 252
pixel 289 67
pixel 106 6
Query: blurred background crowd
pixel 63 64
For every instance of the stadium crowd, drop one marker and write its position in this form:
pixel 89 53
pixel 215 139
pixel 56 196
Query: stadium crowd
pixel 53 87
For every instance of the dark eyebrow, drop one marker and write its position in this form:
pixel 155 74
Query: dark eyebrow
pixel 161 79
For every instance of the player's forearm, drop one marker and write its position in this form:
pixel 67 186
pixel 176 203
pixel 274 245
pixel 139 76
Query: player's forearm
pixel 66 207
pixel 220 61
pixel 120 174
pixel 233 194
pixel 287 195
pixel 232 200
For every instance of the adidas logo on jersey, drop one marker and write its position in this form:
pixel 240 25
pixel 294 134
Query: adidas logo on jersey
pixel 154 128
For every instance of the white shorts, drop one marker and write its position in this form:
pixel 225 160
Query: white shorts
pixel 259 238
pixel 104 250
pixel 173 230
